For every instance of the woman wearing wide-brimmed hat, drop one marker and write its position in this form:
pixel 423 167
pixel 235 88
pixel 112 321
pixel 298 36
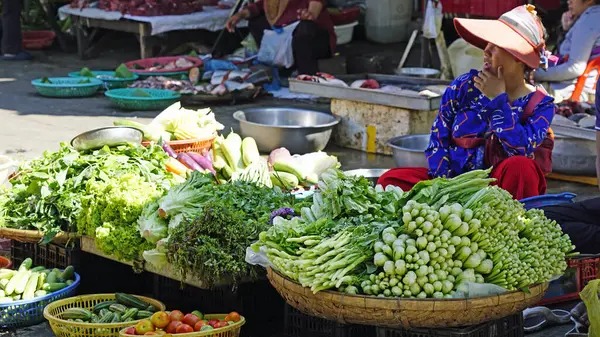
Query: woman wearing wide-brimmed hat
pixel 493 117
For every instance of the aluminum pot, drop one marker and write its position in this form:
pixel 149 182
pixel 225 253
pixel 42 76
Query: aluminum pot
pixel 408 151
pixel 111 136
pixel 574 156
pixel 299 130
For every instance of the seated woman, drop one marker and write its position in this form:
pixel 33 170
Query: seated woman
pixel 496 104
pixel 314 38
pixel 581 44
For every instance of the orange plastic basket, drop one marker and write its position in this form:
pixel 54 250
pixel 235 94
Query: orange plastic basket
pixel 190 145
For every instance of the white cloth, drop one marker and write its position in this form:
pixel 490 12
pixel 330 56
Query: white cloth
pixel 212 19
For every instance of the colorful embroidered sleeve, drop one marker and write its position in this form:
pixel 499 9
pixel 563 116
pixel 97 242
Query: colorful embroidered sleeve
pixel 519 139
pixel 437 152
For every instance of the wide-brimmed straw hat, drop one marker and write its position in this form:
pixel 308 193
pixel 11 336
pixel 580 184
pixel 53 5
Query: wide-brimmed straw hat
pixel 519 32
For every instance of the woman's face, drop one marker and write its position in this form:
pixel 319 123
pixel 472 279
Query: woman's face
pixel 577 7
pixel 494 57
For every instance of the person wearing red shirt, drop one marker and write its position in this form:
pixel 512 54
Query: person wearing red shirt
pixel 314 38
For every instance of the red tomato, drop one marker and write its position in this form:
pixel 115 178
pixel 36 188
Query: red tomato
pixel 160 319
pixel 212 322
pixel 190 319
pixel 221 324
pixel 199 325
pixel 130 331
pixel 172 327
pixel 184 328
pixel 233 316
pixel 176 315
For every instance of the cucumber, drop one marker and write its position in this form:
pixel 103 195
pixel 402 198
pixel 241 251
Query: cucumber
pixel 68 273
pixel 130 313
pixel 128 320
pixel 20 287
pixel 37 269
pixel 2 294
pixel 151 308
pixel 3 283
pixel 69 282
pixel 41 280
pixel 107 318
pixel 46 271
pixel 103 305
pixel 118 308
pixel 26 264
pixel 31 286
pixel 131 301
pixel 7 274
pixel 143 314
pixel 79 320
pixel 57 271
pixel 94 318
pixel 116 318
pixel 40 293
pixel 51 277
pixel 103 312
pixel 10 287
pixel 76 313
pixel 52 287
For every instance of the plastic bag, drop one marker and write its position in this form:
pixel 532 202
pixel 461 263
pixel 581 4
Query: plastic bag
pixel 250 47
pixel 432 25
pixel 276 47
pixel 7 167
pixel 257 258
pixel 471 289
pixel 589 295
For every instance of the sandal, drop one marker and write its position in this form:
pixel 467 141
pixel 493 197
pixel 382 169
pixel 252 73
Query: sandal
pixel 538 318
pixel 22 56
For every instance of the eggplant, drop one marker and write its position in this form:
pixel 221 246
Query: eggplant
pixel 202 161
pixel 169 150
pixel 189 162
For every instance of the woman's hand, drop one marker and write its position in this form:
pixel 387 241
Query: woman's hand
pixel 305 15
pixel 312 12
pixel 489 84
pixel 235 19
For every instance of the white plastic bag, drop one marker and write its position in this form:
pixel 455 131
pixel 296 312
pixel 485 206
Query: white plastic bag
pixel 258 259
pixel 7 167
pixel 276 47
pixel 433 20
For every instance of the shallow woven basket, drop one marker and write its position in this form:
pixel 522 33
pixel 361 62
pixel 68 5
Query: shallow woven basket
pixel 64 328
pixel 109 83
pixel 159 99
pixel 190 145
pixel 408 313
pixel 228 331
pixel 33 236
pixel 67 87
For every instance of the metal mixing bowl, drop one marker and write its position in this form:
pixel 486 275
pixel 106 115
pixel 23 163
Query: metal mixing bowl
pixel 408 151
pixel 111 136
pixel 299 130
pixel 371 174
pixel 574 156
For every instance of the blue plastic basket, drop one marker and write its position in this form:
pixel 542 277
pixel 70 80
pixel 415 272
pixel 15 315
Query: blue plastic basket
pixel 67 87
pixel 31 312
pixel 109 83
pixel 159 98
pixel 548 200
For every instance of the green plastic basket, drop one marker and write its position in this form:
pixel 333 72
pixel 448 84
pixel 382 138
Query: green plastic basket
pixel 159 98
pixel 66 87
pixel 112 82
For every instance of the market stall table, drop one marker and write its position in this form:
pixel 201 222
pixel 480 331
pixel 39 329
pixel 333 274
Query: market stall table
pixel 146 27
pixel 369 118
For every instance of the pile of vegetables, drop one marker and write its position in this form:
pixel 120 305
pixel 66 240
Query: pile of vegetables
pixel 125 308
pixel 27 283
pixel 177 123
pixel 98 193
pixel 239 159
pixel 203 228
pixel 433 241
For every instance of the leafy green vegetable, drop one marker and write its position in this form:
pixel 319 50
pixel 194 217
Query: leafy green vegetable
pixel 124 242
pixel 84 81
pixel 123 72
pixel 45 80
pixel 140 93
pixel 86 72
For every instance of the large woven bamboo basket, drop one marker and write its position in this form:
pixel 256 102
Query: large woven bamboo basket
pixel 33 236
pixel 408 313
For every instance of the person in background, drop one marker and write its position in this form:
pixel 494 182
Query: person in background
pixel 314 38
pixel 494 106
pixel 581 220
pixel 12 40
pixel 581 44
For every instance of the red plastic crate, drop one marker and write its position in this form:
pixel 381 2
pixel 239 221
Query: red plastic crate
pixel 580 272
